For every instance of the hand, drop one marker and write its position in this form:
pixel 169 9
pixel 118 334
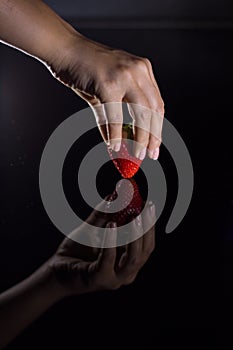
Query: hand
pixel 81 269
pixel 97 73
pixel 105 78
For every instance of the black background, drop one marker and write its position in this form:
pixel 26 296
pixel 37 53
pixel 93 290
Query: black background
pixel 163 9
pixel 177 296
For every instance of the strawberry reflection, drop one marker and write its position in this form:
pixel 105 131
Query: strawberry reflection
pixel 130 200
pixel 76 269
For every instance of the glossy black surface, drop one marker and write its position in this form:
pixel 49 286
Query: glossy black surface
pixel 179 287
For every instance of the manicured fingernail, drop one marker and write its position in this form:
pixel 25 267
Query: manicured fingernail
pixel 110 235
pixel 112 225
pixel 116 146
pixel 152 209
pixel 142 154
pixel 150 154
pixel 156 154
pixel 138 220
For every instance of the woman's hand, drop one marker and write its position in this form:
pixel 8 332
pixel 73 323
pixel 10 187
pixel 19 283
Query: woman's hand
pixel 105 78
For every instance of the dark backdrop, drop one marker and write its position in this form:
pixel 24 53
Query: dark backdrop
pixel 171 9
pixel 176 299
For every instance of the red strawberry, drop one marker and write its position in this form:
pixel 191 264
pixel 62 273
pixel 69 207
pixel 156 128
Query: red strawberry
pixel 133 209
pixel 126 164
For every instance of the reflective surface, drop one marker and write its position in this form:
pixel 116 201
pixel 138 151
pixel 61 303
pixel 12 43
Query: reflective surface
pixel 179 284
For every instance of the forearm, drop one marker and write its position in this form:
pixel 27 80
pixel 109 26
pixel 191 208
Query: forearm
pixel 33 27
pixel 25 302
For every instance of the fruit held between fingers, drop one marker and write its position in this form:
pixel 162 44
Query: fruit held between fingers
pixel 124 161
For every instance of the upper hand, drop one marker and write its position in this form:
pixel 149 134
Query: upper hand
pixel 105 78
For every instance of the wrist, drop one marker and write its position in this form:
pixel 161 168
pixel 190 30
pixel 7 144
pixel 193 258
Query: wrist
pixel 60 47
pixel 47 283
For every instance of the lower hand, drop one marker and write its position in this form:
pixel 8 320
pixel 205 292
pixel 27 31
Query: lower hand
pixel 80 269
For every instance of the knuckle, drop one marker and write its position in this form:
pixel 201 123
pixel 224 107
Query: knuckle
pixel 160 109
pixel 124 74
pixel 144 115
pixel 141 64
pixel 147 62
pixel 133 261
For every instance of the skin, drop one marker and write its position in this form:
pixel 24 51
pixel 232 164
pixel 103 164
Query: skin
pixel 115 77
pixel 76 269
pixel 102 76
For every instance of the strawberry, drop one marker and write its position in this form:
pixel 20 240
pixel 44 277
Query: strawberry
pixel 126 164
pixel 131 210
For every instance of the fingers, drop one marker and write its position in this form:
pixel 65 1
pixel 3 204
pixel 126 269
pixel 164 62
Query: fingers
pixel 98 216
pixel 135 248
pixel 148 243
pixel 89 230
pixel 149 216
pixel 109 273
pixel 156 122
pixel 135 84
pixel 114 115
pixel 149 237
pixel 130 263
pixel 109 119
pixel 153 148
pixel 147 131
pixel 101 120
pixel 108 255
pixel 141 248
pixel 141 116
pixel 155 135
pixel 147 110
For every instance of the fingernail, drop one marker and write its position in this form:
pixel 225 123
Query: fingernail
pixel 138 220
pixel 150 154
pixel 156 154
pixel 112 225
pixel 142 154
pixel 152 208
pixel 116 146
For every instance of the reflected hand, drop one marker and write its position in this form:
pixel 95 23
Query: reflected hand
pixel 81 269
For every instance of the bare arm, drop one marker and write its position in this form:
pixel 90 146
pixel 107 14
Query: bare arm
pixel 102 76
pixel 23 303
pixel 75 269
pixel 34 28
